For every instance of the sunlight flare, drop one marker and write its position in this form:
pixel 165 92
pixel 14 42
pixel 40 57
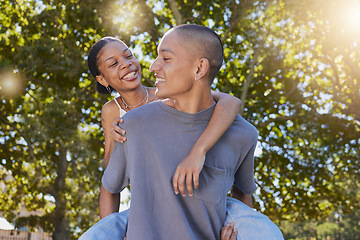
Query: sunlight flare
pixel 352 16
pixel 11 84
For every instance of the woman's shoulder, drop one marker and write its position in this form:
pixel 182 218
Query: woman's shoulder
pixel 110 108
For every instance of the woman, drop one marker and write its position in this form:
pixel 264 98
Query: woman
pixel 115 68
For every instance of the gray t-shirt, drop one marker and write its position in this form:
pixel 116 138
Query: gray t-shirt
pixel 159 137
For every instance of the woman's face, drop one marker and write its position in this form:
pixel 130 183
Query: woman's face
pixel 118 67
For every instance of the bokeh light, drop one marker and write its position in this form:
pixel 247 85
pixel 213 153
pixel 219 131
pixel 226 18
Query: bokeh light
pixel 124 15
pixel 11 84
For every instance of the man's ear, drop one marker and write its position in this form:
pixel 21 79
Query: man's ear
pixel 102 80
pixel 203 68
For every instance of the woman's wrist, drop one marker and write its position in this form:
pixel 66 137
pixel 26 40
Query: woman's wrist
pixel 199 150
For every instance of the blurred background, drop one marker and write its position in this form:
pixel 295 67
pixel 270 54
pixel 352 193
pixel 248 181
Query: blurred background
pixel 294 64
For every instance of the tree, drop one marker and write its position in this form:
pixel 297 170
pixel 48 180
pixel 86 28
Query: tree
pixel 50 133
pixel 294 64
pixel 336 226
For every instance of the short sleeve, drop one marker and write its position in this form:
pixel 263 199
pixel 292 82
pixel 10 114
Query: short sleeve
pixel 115 177
pixel 244 176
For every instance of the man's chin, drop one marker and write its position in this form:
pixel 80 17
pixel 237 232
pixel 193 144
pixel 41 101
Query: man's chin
pixel 160 94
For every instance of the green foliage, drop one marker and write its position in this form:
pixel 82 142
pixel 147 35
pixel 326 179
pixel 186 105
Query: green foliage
pixel 51 138
pixel 294 64
pixel 337 226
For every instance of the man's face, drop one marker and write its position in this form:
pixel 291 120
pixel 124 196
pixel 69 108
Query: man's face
pixel 174 68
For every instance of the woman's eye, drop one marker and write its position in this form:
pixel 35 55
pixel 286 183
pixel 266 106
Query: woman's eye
pixel 113 64
pixel 165 59
pixel 130 56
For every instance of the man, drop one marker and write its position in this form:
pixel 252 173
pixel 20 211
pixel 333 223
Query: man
pixel 160 135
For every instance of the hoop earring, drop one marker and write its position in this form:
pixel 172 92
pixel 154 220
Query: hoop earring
pixel 109 89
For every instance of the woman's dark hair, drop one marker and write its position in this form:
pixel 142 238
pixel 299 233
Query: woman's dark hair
pixel 93 61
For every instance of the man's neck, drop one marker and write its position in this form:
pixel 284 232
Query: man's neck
pixel 193 102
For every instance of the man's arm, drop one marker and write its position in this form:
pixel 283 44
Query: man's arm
pixel 224 114
pixel 239 195
pixel 108 203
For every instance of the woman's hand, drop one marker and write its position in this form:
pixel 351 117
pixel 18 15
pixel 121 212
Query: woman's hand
pixel 116 132
pixel 187 172
pixel 228 232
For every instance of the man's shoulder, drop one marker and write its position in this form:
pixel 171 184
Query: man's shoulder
pixel 245 127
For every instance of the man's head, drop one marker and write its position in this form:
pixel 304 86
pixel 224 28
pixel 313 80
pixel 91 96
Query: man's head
pixel 204 41
pixel 187 55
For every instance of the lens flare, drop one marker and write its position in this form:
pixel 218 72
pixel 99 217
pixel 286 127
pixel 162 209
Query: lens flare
pixel 125 15
pixel 11 84
pixel 353 16
pixel 349 16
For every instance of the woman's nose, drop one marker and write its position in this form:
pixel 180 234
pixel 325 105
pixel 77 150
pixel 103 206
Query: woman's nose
pixel 125 64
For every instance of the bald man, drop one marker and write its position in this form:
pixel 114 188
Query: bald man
pixel 160 135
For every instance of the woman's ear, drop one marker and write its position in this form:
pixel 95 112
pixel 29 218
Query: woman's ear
pixel 102 80
pixel 203 69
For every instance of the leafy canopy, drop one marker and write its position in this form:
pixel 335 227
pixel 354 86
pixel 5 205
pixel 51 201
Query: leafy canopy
pixel 294 64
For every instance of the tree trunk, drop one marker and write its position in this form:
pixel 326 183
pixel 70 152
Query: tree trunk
pixel 60 223
pixel 61 232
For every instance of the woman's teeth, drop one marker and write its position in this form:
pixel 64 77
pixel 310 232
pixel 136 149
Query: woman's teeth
pixel 129 75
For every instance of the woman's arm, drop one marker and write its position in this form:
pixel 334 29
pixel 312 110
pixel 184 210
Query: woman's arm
pixel 116 132
pixel 224 114
pixel 228 232
pixel 239 195
pixel 108 203
pixel 109 112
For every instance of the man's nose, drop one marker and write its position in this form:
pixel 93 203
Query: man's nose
pixel 154 66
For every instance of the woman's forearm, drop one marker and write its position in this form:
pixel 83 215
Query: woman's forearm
pixel 224 114
pixel 239 195
pixel 108 150
pixel 108 202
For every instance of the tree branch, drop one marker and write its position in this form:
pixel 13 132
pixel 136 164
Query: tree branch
pixel 278 119
pixel 248 80
pixel 353 67
pixel 175 10
pixel 286 150
pixel 235 17
pixel 333 66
